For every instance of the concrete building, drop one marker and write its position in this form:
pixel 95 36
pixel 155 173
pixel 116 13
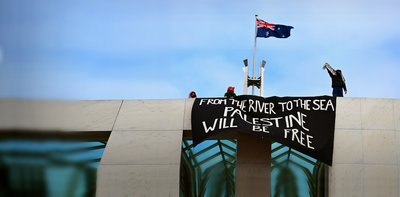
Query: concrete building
pixel 366 160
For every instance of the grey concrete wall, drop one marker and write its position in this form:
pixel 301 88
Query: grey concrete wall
pixel 143 152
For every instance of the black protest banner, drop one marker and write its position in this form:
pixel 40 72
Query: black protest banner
pixel 305 124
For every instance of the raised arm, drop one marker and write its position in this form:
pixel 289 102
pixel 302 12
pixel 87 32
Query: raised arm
pixel 329 72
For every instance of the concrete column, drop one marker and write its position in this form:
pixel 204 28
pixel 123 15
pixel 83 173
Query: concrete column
pixel 142 156
pixel 140 163
pixel 253 166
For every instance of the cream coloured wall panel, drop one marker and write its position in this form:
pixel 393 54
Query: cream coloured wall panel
pixel 187 124
pixel 397 144
pixel 375 167
pixel 348 113
pixel 396 106
pixel 346 180
pixel 379 147
pixel 398 180
pixel 377 114
pixel 143 148
pixel 348 147
pixel 380 180
pixel 57 115
pixel 93 115
pixel 137 180
pixel 154 114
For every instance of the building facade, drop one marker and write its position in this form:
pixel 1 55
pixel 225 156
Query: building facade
pixel 144 142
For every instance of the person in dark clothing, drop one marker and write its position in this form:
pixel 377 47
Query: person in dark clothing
pixel 338 81
pixel 230 93
pixel 192 94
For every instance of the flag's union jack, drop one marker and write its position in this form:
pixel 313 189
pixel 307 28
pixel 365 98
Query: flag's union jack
pixel 261 23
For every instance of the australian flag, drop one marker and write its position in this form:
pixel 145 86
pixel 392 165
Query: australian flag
pixel 266 30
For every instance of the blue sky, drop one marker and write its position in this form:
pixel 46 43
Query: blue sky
pixel 155 49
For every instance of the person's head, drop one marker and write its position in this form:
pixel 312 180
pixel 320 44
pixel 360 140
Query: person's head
pixel 192 94
pixel 231 88
pixel 338 71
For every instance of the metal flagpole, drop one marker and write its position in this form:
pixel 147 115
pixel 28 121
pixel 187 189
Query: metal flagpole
pixel 254 56
pixel 249 145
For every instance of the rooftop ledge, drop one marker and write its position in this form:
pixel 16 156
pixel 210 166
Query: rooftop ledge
pixel 97 116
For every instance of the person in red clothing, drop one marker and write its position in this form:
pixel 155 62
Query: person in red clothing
pixel 230 93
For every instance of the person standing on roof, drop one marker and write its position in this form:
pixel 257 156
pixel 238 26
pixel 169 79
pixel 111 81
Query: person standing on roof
pixel 230 93
pixel 338 81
